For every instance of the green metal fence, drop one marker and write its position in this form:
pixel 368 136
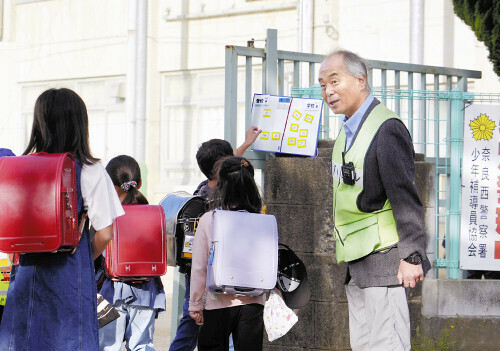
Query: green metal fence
pixel 443 146
pixel 429 99
pixel 267 70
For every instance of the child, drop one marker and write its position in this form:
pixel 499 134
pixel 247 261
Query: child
pixel 240 315
pixel 52 297
pixel 137 303
pixel 207 155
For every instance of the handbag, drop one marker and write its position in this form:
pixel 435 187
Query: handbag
pixel 106 313
pixel 278 318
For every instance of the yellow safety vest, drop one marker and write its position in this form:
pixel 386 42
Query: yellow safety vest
pixel 359 233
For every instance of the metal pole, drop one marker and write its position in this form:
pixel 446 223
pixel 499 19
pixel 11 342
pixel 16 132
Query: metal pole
pixel 410 105
pixel 417 55
pixel 383 78
pixel 140 86
pixel 423 117
pixel 272 62
pixel 248 92
pixel 417 31
pixel 397 86
pixel 448 34
pixel 455 183
pixel 434 248
pixel 178 286
pixel 131 63
pixel 231 95
pixel 1 19
pixel 305 23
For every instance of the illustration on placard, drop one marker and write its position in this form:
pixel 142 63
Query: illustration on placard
pixel 288 124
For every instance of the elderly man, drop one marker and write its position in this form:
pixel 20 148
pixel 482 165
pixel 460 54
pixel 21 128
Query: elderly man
pixel 378 216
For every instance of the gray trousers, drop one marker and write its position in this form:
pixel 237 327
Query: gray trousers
pixel 379 318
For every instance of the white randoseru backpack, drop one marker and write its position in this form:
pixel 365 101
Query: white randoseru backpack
pixel 243 256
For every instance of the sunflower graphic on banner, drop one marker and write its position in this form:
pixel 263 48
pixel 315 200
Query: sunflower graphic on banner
pixel 480 215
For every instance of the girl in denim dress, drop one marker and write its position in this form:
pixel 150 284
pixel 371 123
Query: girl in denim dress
pixel 51 302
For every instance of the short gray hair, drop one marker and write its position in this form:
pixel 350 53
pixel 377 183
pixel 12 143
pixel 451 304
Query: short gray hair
pixel 354 64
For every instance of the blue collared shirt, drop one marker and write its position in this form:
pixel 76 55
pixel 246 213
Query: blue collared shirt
pixel 351 124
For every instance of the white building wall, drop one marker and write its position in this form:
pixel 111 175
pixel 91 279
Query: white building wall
pixel 82 44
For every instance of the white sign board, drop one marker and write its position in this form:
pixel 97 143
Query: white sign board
pixel 289 124
pixel 480 215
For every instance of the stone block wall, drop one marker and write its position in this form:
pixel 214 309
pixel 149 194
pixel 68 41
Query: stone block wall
pixel 298 191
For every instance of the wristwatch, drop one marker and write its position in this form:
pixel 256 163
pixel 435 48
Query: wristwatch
pixel 414 258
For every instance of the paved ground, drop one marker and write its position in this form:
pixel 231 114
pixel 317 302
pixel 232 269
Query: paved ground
pixel 162 326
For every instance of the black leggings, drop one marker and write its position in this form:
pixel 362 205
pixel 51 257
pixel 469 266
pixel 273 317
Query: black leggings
pixel 245 322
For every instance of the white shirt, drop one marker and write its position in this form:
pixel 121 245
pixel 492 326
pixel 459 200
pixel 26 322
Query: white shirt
pixel 99 196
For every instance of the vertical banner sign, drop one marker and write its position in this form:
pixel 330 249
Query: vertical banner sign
pixel 480 215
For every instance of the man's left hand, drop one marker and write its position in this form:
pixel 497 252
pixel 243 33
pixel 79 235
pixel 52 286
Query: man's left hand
pixel 410 274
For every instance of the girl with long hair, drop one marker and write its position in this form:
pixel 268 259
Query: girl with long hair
pixel 52 297
pixel 225 314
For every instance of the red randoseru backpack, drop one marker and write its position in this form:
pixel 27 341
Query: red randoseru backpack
pixel 138 248
pixel 38 203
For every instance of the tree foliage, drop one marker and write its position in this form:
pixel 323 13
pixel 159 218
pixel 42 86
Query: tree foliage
pixel 483 16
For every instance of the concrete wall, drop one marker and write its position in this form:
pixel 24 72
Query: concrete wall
pixel 469 310
pixel 298 191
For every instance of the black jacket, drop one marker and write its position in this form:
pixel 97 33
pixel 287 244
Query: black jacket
pixel 389 173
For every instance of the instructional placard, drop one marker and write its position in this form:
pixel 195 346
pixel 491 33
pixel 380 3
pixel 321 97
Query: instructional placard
pixel 289 124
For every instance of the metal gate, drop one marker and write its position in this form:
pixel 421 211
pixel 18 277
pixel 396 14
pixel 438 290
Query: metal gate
pixel 429 99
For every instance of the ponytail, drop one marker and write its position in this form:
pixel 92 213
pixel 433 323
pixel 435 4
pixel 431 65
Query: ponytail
pixel 125 173
pixel 135 197
pixel 236 188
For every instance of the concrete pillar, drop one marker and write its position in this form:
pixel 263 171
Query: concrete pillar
pixel 298 191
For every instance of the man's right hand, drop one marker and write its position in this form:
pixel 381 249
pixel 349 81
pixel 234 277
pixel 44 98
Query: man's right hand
pixel 410 274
